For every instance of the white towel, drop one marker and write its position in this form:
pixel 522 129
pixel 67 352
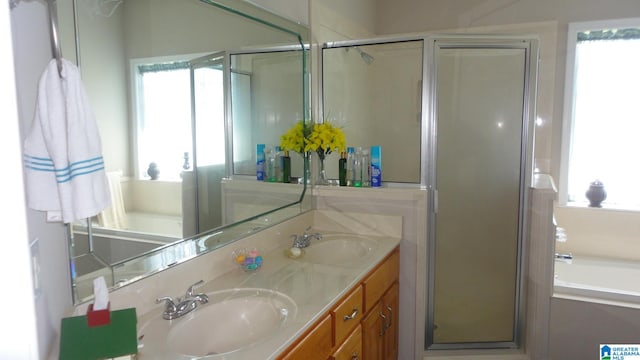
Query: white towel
pixel 114 216
pixel 64 168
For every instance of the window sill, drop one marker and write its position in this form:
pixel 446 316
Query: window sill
pixel 172 181
pixel 604 208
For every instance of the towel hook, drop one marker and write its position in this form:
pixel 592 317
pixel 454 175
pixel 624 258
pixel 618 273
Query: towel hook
pixel 55 41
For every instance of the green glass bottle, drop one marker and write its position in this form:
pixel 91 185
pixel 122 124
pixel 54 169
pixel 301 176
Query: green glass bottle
pixel 286 168
pixel 342 169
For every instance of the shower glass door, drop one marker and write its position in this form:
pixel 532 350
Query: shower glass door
pixel 479 144
pixel 208 101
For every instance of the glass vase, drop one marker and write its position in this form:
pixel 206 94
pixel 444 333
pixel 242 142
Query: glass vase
pixel 322 174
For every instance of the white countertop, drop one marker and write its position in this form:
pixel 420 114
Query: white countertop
pixel 313 287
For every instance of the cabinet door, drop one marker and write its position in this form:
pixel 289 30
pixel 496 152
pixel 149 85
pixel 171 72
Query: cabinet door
pixel 316 345
pixel 377 283
pixel 390 309
pixel 351 349
pixel 347 315
pixel 372 334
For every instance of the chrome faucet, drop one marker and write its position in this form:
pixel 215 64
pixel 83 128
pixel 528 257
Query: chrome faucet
pixel 182 306
pixel 304 240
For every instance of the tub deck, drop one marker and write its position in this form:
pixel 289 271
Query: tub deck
pixel 598 279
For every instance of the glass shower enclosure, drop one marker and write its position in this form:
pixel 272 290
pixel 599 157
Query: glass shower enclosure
pixel 455 115
pixel 479 169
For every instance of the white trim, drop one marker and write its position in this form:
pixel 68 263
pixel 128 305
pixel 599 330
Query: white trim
pixel 567 116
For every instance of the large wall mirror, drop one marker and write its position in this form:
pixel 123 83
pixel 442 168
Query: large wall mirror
pixel 184 93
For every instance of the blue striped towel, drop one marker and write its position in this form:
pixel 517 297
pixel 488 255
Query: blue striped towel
pixel 64 167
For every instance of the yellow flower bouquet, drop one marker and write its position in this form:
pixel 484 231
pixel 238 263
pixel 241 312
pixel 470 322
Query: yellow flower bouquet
pixel 295 138
pixel 322 138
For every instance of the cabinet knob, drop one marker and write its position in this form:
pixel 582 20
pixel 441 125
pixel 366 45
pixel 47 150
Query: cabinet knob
pixel 352 316
pixel 354 356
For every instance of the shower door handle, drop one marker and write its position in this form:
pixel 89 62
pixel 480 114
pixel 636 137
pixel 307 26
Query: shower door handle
pixel 434 200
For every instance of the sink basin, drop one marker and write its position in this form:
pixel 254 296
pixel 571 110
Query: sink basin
pixel 230 321
pixel 339 250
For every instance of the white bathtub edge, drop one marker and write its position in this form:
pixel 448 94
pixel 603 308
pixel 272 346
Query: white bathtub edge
pixel 587 295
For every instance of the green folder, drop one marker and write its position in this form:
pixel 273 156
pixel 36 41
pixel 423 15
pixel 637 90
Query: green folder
pixel 78 341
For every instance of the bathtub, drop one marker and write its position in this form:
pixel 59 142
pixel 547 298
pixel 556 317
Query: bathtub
pixel 156 228
pixel 598 280
pixel 145 232
pixel 155 224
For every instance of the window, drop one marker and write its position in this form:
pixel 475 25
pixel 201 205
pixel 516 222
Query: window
pixel 209 111
pixel 602 117
pixel 164 135
pixel 164 118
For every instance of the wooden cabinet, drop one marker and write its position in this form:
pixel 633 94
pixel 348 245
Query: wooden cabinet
pixel 347 314
pixel 380 327
pixel 351 349
pixel 315 345
pixel 380 279
pixel 390 305
pixel 372 333
pixel 363 325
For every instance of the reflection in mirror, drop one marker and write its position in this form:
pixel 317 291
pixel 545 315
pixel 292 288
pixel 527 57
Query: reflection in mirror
pixel 265 96
pixel 275 75
pixel 373 91
pixel 179 129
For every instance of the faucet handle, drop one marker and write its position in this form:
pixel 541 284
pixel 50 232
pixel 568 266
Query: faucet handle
pixel 190 289
pixel 170 305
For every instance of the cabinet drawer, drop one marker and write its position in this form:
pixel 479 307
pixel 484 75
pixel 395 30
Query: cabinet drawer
pixel 351 349
pixel 316 344
pixel 380 279
pixel 347 314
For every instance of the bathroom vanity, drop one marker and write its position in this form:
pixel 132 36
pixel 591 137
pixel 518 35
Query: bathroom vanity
pixel 362 325
pixel 336 301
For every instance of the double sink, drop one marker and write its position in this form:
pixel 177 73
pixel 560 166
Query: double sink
pixel 241 317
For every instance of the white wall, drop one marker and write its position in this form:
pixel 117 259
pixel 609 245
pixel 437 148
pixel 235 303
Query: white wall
pixel 577 328
pixel 297 11
pixel 333 20
pixel 18 328
pixel 405 16
pixel 32 51
pixel 104 69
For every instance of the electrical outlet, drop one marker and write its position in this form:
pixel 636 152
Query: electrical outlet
pixel 35 266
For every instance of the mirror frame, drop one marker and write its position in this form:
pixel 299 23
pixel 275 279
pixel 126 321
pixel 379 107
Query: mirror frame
pixel 220 236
